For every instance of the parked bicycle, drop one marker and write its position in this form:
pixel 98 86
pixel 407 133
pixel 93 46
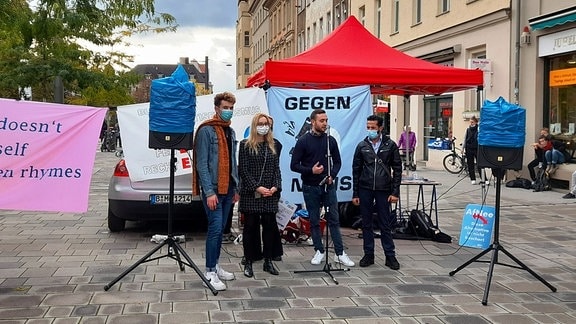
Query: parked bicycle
pixel 109 141
pixel 455 162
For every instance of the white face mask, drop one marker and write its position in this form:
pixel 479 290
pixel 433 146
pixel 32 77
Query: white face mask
pixel 262 130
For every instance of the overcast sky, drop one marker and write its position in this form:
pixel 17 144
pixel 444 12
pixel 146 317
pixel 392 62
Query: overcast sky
pixel 206 28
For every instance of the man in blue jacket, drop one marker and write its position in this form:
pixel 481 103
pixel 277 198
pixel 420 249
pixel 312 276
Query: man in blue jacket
pixel 317 158
pixel 376 178
pixel 215 175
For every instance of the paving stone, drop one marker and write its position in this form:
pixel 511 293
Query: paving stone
pixel 417 310
pixel 350 312
pixel 319 292
pixel 265 304
pixel 67 299
pixel 133 319
pixel 85 310
pixel 17 312
pixel 468 319
pixel 196 306
pixel 110 309
pixel 305 313
pixel 94 320
pixel 19 301
pixel 126 297
pixel 425 289
pixel 258 315
pixel 60 311
pixel 271 292
pixel 221 317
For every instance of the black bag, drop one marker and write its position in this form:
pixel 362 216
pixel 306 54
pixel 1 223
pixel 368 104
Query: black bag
pixel 441 237
pixel 519 183
pixel 422 223
pixel 424 227
pixel 542 182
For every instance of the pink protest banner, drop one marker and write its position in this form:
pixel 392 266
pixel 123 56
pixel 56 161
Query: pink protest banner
pixel 47 155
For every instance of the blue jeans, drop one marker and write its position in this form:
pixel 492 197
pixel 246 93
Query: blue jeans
pixel 554 156
pixel 216 222
pixel 315 198
pixel 384 220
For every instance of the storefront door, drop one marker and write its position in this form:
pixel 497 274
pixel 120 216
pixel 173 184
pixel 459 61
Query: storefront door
pixel 437 119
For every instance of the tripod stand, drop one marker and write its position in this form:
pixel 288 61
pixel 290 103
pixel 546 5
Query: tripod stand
pixel 174 249
pixel 496 246
pixel 327 266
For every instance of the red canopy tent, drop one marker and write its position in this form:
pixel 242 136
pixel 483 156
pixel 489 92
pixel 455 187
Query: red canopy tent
pixel 352 56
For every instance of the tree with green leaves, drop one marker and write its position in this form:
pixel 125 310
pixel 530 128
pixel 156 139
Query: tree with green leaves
pixel 65 38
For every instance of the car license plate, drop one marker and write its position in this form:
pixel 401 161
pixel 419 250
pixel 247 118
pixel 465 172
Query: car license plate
pixel 164 199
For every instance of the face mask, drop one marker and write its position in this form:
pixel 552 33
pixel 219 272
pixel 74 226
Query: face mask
pixel 372 134
pixel 226 114
pixel 262 130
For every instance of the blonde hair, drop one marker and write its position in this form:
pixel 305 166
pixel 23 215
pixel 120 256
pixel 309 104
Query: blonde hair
pixel 252 140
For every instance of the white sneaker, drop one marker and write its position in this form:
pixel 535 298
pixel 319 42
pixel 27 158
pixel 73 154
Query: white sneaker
pixel 487 182
pixel 344 259
pixel 473 182
pixel 214 281
pixel 223 274
pixel 318 258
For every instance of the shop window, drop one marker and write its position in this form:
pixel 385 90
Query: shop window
pixel 561 116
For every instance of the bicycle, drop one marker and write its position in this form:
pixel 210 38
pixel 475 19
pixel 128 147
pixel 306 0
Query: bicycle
pixel 455 162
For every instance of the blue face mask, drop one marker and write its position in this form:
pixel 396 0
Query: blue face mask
pixel 226 114
pixel 372 134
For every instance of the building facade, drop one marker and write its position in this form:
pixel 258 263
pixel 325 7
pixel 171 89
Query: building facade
pixel 197 73
pixel 527 50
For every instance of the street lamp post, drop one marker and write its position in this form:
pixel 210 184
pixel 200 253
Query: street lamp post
pixel 207 74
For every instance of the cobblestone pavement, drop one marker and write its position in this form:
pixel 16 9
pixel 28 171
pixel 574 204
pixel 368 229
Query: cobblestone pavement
pixel 54 266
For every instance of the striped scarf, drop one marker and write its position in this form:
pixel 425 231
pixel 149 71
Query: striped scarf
pixel 223 157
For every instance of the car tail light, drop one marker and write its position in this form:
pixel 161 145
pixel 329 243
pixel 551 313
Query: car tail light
pixel 121 170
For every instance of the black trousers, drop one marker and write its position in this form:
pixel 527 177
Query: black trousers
pixel 471 156
pixel 267 245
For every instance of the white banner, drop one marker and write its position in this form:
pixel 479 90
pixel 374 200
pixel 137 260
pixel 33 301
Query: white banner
pixel 347 110
pixel 145 163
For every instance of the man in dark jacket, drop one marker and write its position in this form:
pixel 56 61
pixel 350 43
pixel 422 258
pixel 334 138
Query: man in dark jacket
pixel 317 158
pixel 376 178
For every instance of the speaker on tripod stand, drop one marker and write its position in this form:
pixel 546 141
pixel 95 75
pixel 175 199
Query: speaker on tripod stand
pixel 171 123
pixel 501 136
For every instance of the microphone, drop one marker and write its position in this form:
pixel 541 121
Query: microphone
pixel 324 180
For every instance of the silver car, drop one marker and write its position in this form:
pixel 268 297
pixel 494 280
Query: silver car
pixel 148 200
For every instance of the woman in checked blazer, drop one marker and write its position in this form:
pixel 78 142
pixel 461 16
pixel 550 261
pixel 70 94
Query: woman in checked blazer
pixel 260 186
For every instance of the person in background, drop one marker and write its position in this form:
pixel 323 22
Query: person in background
pixel 118 139
pixel 407 145
pixel 572 193
pixel 215 174
pixel 259 171
pixel 557 155
pixel 376 177
pixel 470 148
pixel 312 157
pixel 540 148
pixel 103 131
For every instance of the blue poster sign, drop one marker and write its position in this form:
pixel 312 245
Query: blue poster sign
pixel 477 225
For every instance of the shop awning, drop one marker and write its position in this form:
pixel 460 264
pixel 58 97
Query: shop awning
pixel 553 19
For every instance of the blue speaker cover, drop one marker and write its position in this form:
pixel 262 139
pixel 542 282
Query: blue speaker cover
pixel 173 103
pixel 502 124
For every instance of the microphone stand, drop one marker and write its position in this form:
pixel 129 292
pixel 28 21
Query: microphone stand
pixel 327 266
